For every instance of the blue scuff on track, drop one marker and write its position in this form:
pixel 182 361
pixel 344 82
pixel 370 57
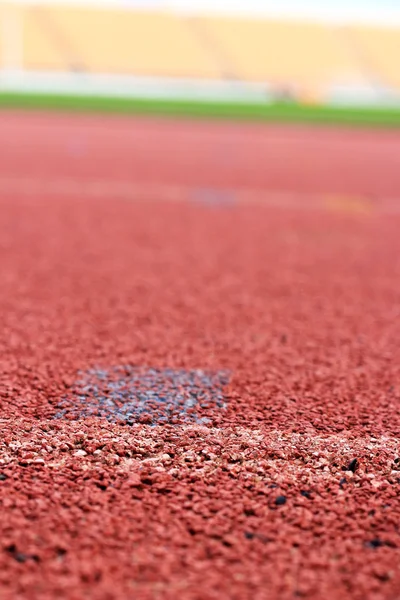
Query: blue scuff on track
pixel 137 394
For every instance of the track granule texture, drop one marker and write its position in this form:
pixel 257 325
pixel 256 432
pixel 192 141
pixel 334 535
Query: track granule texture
pixel 156 396
pixel 199 400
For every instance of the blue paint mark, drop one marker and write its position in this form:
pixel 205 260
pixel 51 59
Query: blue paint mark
pixel 135 394
pixel 214 198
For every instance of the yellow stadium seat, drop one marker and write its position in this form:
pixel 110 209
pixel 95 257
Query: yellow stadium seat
pixel 1 35
pixel 11 36
pixel 44 45
pixel 115 41
pixel 379 48
pixel 307 57
pixel 281 52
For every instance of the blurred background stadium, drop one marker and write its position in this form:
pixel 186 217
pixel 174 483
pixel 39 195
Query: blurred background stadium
pixel 304 51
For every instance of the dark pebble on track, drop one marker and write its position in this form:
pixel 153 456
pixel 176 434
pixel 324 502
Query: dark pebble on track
pixel 352 466
pixel 280 500
pixel 375 543
pixel 306 494
pixel 20 557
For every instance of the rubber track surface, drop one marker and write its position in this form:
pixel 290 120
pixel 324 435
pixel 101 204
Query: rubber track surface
pixel 289 487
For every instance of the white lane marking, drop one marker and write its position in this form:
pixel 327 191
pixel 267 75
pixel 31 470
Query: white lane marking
pixel 97 188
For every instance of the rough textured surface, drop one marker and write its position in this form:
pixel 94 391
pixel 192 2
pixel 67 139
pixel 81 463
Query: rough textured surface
pixel 289 487
pixel 137 395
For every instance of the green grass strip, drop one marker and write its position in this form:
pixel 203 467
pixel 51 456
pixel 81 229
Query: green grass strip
pixel 278 112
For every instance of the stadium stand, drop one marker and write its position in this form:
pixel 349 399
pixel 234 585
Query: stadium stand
pixel 307 57
pixel 115 41
pixel 306 54
pixel 380 50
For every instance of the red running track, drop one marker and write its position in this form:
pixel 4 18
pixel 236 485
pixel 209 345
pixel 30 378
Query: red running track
pixel 300 303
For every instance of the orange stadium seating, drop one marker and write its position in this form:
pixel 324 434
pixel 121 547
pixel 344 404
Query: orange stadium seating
pixel 283 51
pixel 380 50
pixel 114 41
pixel 309 57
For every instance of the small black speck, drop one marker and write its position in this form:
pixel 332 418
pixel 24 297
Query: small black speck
pixel 101 486
pixel 3 477
pixel 375 543
pixel 306 494
pixel 342 482
pixel 20 557
pixel 273 486
pixel 397 460
pixel 147 481
pixel 280 500
pixel 352 466
pixel 249 535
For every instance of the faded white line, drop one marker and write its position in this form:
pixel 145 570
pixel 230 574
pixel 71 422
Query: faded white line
pixel 98 188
